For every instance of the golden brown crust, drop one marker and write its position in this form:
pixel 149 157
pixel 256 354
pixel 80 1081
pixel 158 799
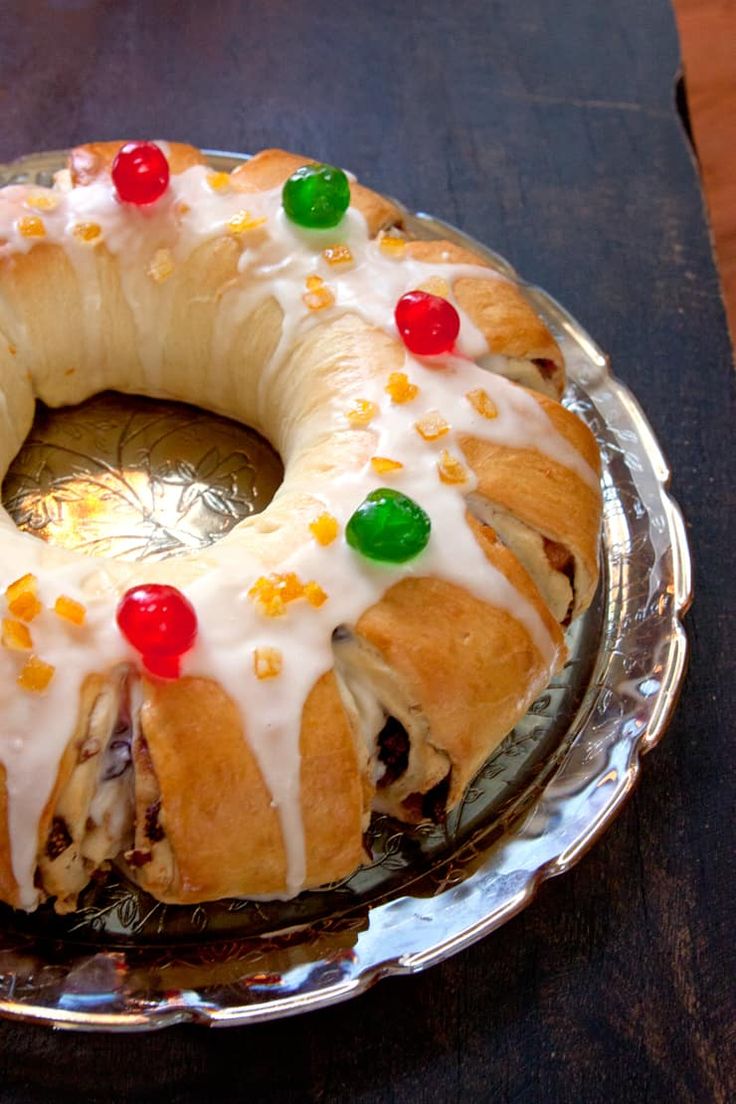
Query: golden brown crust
pixel 94 159
pixel 502 314
pixel 573 429
pixel 272 167
pixel 332 794
pixel 500 311
pixel 8 884
pixel 470 668
pixel 444 252
pixel 216 810
pixel 532 487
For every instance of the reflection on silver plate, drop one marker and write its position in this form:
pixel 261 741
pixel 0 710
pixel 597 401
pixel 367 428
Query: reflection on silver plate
pixel 125 962
pixel 136 478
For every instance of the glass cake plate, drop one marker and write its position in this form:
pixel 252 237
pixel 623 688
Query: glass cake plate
pixel 125 962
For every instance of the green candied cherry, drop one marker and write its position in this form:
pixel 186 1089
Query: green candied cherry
pixel 388 526
pixel 316 196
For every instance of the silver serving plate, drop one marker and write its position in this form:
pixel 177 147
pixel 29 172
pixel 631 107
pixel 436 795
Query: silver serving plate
pixel 125 962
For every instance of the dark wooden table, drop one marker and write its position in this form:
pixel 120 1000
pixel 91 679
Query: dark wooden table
pixel 548 129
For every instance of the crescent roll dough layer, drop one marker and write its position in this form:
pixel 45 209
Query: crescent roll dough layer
pixel 217 820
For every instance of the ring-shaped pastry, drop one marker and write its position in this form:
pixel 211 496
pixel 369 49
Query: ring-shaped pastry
pixel 322 684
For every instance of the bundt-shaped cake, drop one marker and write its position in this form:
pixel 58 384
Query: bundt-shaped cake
pixel 223 723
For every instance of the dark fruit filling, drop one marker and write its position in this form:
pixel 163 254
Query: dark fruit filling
pixel 393 751
pixel 561 559
pixel 58 838
pixel 152 828
pixel 547 367
pixel 431 805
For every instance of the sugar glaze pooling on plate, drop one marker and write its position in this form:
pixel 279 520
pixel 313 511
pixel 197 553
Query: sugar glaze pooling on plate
pixel 276 260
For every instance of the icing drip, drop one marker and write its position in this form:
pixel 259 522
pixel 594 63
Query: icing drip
pixel 276 260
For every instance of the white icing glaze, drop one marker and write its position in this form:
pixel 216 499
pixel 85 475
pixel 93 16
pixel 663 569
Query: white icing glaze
pixel 275 261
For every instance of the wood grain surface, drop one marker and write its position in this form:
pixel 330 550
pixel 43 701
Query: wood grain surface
pixel 708 46
pixel 546 128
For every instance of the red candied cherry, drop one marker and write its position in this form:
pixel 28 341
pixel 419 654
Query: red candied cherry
pixel 428 324
pixel 160 623
pixel 140 173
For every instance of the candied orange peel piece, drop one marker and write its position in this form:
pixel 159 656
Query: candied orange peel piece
pixel 15 636
pixel 267 662
pixel 337 255
pixel 482 402
pixel 317 296
pixel 218 181
pixel 392 246
pixel 22 598
pixel 319 300
pixel 42 201
pixel 243 221
pixel 35 675
pixel 432 426
pixel 26 606
pixel 87 231
pixel 70 610
pixel 266 594
pixel 400 388
pixel 161 266
pixel 450 468
pixel 382 465
pixel 314 594
pixel 362 412
pixel 274 592
pixel 324 528
pixel 31 226
pixel 291 586
pixel 20 586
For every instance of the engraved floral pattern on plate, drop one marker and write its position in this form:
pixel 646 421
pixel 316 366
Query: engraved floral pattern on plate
pixel 138 479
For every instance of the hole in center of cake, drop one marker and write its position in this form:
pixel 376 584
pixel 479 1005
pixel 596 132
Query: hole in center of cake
pixel 138 479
